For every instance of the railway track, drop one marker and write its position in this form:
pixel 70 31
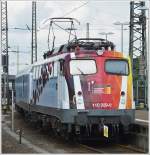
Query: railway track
pixel 112 148
pixel 93 147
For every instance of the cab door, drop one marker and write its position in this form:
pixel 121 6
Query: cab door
pixel 54 85
pixel 62 93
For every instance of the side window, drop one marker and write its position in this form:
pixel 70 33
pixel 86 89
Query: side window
pixel 19 84
pixel 50 69
pixel 37 72
pixel 55 68
pixel 42 70
pixel 34 73
pixel 61 67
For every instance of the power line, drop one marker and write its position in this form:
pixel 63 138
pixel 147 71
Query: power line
pixel 25 29
pixel 17 28
pixel 68 12
pixel 73 10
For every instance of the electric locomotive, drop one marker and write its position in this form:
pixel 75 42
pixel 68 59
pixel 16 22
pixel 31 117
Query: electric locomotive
pixel 83 88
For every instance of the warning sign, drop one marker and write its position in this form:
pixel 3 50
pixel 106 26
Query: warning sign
pixel 105 131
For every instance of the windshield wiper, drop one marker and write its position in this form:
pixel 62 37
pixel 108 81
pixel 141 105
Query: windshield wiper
pixel 121 73
pixel 82 73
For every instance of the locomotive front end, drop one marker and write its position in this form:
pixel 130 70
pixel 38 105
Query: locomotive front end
pixel 103 91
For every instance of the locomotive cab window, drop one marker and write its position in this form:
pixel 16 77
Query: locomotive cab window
pixel 82 67
pixel 117 66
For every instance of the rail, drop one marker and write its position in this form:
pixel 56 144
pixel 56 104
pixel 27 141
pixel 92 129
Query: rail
pixel 113 148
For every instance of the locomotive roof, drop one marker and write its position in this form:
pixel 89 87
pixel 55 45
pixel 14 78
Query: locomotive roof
pixel 64 52
pixel 43 61
pixel 83 43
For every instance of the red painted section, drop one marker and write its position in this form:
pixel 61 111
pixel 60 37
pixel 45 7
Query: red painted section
pixel 101 90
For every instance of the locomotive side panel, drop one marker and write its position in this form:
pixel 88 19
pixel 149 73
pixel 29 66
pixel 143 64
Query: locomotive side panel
pixel 22 86
pixel 49 86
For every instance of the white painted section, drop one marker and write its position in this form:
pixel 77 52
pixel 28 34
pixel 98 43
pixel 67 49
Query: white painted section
pixel 141 120
pixel 77 87
pixel 64 94
pixel 122 104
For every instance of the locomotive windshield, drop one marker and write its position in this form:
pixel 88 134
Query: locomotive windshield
pixel 82 67
pixel 115 66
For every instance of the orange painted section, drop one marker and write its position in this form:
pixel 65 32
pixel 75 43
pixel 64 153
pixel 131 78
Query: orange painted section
pixel 129 99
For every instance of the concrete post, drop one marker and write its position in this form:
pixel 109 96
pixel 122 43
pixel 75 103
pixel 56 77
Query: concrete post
pixel 12 108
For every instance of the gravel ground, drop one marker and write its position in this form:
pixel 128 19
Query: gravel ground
pixel 11 145
pixel 37 141
pixel 141 114
pixel 35 137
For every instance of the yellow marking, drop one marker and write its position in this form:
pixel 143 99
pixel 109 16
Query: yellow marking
pixel 105 131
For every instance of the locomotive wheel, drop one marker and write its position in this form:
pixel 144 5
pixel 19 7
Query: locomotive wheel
pixel 56 128
pixel 67 136
pixel 61 131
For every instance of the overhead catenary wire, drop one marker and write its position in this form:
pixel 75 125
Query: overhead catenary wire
pixel 70 12
pixel 75 9
pixel 95 29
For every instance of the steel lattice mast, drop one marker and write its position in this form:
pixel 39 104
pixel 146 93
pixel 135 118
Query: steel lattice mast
pixel 137 30
pixel 34 34
pixel 4 49
pixel 137 44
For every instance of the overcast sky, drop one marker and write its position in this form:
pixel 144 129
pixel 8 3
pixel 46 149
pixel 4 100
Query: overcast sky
pixel 100 14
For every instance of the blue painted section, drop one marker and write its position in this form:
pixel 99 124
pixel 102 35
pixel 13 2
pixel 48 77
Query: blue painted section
pixel 22 89
pixel 48 97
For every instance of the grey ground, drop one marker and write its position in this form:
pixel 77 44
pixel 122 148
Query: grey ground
pixel 38 139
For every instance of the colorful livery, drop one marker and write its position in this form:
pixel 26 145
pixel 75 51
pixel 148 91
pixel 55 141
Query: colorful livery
pixel 80 88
